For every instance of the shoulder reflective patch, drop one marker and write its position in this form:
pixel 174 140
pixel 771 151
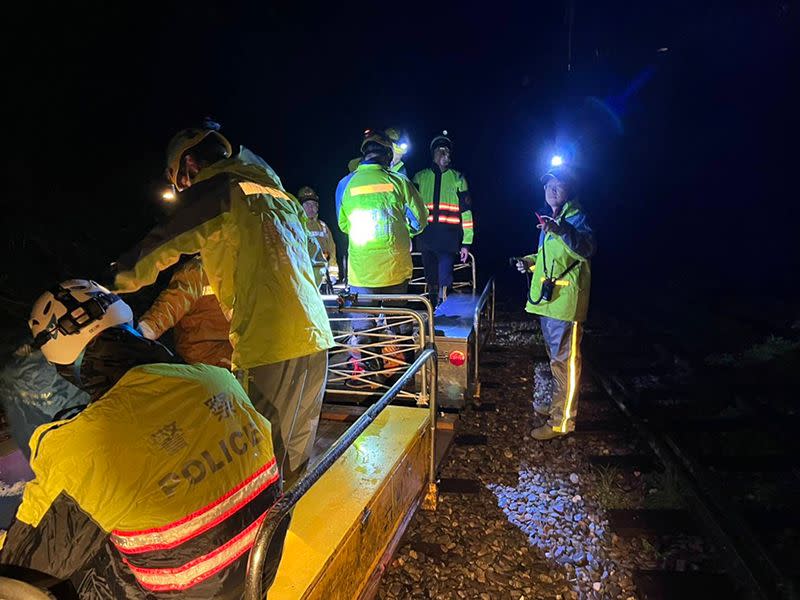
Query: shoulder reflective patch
pixel 375 188
pixel 249 188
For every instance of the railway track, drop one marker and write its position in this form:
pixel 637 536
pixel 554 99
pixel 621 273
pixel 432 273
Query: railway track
pixel 734 461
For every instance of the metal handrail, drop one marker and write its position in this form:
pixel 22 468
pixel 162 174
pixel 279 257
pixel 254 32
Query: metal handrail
pixel 391 298
pixel 389 310
pixel 488 290
pixel 461 266
pixel 470 264
pixel 280 511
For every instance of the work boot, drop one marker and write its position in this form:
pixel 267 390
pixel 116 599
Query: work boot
pixel 545 432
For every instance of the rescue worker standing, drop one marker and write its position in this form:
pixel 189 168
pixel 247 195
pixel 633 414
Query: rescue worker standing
pixel 379 210
pixel 253 243
pixel 399 149
pixel 451 228
pixel 155 489
pixel 559 294
pixel 321 246
pixel 189 307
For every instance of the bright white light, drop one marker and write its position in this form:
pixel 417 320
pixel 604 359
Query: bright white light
pixel 556 161
pixel 404 146
pixel 362 227
pixel 168 196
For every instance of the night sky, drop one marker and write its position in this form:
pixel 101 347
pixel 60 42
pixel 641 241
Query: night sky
pixel 688 156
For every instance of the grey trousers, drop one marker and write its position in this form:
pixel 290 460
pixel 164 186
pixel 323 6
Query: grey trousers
pixel 289 394
pixel 563 342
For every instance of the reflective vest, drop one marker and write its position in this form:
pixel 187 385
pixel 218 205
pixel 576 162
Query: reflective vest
pixel 447 198
pixel 157 487
pixel 379 210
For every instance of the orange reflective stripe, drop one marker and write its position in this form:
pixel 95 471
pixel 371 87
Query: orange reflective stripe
pixel 199 569
pixel 468 225
pixel 175 534
pixel 450 220
pixel 250 188
pixel 375 188
pixel 430 218
pixel 449 207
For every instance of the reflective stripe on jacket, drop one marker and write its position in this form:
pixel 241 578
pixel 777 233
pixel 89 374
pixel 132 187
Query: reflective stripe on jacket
pixel 188 305
pixel 379 210
pixel 447 197
pixel 158 487
pixel 253 243
pixel 555 254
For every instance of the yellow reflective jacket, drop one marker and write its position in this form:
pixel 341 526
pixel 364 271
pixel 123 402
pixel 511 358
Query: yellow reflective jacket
pixel 566 258
pixel 379 210
pixel 156 488
pixel 322 249
pixel 189 307
pixel 253 243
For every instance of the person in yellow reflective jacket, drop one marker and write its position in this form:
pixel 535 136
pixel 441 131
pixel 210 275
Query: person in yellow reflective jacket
pixel 400 146
pixel 379 210
pixel 189 307
pixel 559 294
pixel 321 247
pixel 253 243
pixel 157 488
pixel 450 231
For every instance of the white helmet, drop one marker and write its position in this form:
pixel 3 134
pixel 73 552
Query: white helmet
pixel 64 320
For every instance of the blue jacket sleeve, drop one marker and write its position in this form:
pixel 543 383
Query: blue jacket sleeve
pixel 340 194
pixel 577 235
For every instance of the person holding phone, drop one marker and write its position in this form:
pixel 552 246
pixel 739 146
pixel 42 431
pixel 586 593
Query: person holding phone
pixel 559 294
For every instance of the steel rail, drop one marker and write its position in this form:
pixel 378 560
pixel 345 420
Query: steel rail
pixel 750 565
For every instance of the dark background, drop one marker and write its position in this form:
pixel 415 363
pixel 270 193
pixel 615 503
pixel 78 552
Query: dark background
pixel 689 156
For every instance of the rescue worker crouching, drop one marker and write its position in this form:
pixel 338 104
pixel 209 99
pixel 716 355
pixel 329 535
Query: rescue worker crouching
pixel 451 229
pixel 321 246
pixel 189 307
pixel 559 294
pixel 155 489
pixel 253 243
pixel 379 210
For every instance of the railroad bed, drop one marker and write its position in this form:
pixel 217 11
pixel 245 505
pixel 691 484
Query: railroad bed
pixel 598 514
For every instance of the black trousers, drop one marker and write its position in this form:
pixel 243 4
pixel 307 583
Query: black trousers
pixel 438 270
